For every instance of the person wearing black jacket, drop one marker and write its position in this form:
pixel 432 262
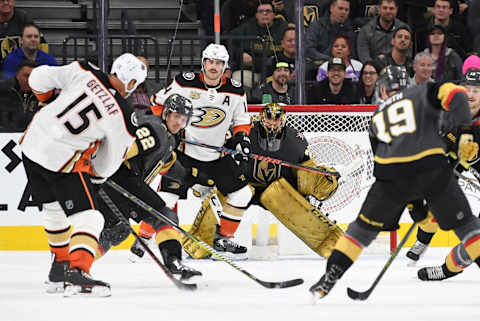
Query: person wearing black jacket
pixel 17 102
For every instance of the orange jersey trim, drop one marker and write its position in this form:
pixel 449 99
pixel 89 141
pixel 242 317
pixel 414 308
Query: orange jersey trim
pixel 242 128
pixel 43 96
pixel 157 110
pixel 90 199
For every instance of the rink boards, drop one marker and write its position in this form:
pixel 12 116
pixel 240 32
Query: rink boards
pixel 21 221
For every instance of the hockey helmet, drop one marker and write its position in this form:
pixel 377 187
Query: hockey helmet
pixel 176 103
pixel 127 67
pixel 272 111
pixel 472 78
pixel 217 52
pixel 393 78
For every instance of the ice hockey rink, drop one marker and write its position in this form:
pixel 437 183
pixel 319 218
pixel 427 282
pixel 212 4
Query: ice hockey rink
pixel 140 291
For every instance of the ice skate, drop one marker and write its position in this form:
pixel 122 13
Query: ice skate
pixel 416 252
pixel 181 271
pixel 78 282
pixel 435 273
pixel 229 249
pixel 321 289
pixel 56 276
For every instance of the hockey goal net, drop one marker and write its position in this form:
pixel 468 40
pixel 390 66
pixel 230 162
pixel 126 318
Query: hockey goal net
pixel 338 137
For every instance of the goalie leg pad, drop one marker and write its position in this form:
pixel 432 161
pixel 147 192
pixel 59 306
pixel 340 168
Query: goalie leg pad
pixel 314 228
pixel 204 227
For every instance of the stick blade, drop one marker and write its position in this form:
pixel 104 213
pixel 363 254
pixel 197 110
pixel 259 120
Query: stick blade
pixel 282 284
pixel 359 296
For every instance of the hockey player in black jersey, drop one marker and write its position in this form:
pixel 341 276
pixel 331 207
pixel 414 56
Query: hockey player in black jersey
pixel 410 163
pixel 135 175
pixel 458 259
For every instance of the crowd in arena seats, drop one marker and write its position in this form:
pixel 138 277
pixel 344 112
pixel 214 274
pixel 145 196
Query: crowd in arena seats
pixel 430 38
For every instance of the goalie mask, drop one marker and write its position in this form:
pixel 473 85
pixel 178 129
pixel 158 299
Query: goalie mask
pixel 272 119
pixel 215 52
pixel 178 104
pixel 127 67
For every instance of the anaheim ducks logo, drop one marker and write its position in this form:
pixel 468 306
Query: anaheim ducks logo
pixel 206 117
pixel 265 172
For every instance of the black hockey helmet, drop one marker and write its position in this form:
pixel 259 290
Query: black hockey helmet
pixel 472 78
pixel 176 103
pixel 273 111
pixel 393 78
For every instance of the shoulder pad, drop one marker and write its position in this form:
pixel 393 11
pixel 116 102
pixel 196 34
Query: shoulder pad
pixel 236 83
pixel 189 79
pixel 188 75
pixel 233 87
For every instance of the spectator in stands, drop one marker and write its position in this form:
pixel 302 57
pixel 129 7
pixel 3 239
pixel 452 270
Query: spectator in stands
pixel 140 98
pixel 250 54
pixel 342 48
pixel 472 62
pixel 399 56
pixel 375 38
pixel 455 31
pixel 12 21
pixel 368 80
pixel 423 66
pixel 17 102
pixel 287 54
pixel 320 35
pixel 447 64
pixel 235 12
pixel 29 50
pixel 474 23
pixel 335 89
pixel 278 89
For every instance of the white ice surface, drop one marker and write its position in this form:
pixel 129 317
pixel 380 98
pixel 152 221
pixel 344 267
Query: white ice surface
pixel 140 291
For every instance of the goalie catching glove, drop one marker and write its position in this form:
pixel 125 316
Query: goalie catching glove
pixel 322 187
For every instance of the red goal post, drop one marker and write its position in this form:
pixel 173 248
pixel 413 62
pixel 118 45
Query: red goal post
pixel 338 136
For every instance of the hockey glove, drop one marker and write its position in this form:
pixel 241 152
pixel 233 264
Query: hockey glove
pixel 467 148
pixel 242 145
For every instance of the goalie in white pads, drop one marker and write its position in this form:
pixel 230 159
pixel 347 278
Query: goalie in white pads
pixel 281 189
pixel 219 103
pixel 84 132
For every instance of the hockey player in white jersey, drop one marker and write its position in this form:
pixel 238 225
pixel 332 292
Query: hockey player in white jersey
pixel 84 132
pixel 219 103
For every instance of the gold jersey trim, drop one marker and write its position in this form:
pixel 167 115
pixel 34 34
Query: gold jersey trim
pixel 406 159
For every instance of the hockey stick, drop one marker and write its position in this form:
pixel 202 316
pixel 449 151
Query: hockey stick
pixel 123 219
pixel 362 296
pixel 205 246
pixel 271 160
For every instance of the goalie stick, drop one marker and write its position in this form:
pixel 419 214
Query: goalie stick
pixel 346 171
pixel 362 296
pixel 123 219
pixel 208 248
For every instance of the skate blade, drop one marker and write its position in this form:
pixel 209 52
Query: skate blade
pixel 192 279
pixel 231 256
pixel 411 263
pixel 317 295
pixel 77 291
pixel 54 287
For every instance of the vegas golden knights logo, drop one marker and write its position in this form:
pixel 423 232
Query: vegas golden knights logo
pixel 265 172
pixel 8 45
pixel 310 15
